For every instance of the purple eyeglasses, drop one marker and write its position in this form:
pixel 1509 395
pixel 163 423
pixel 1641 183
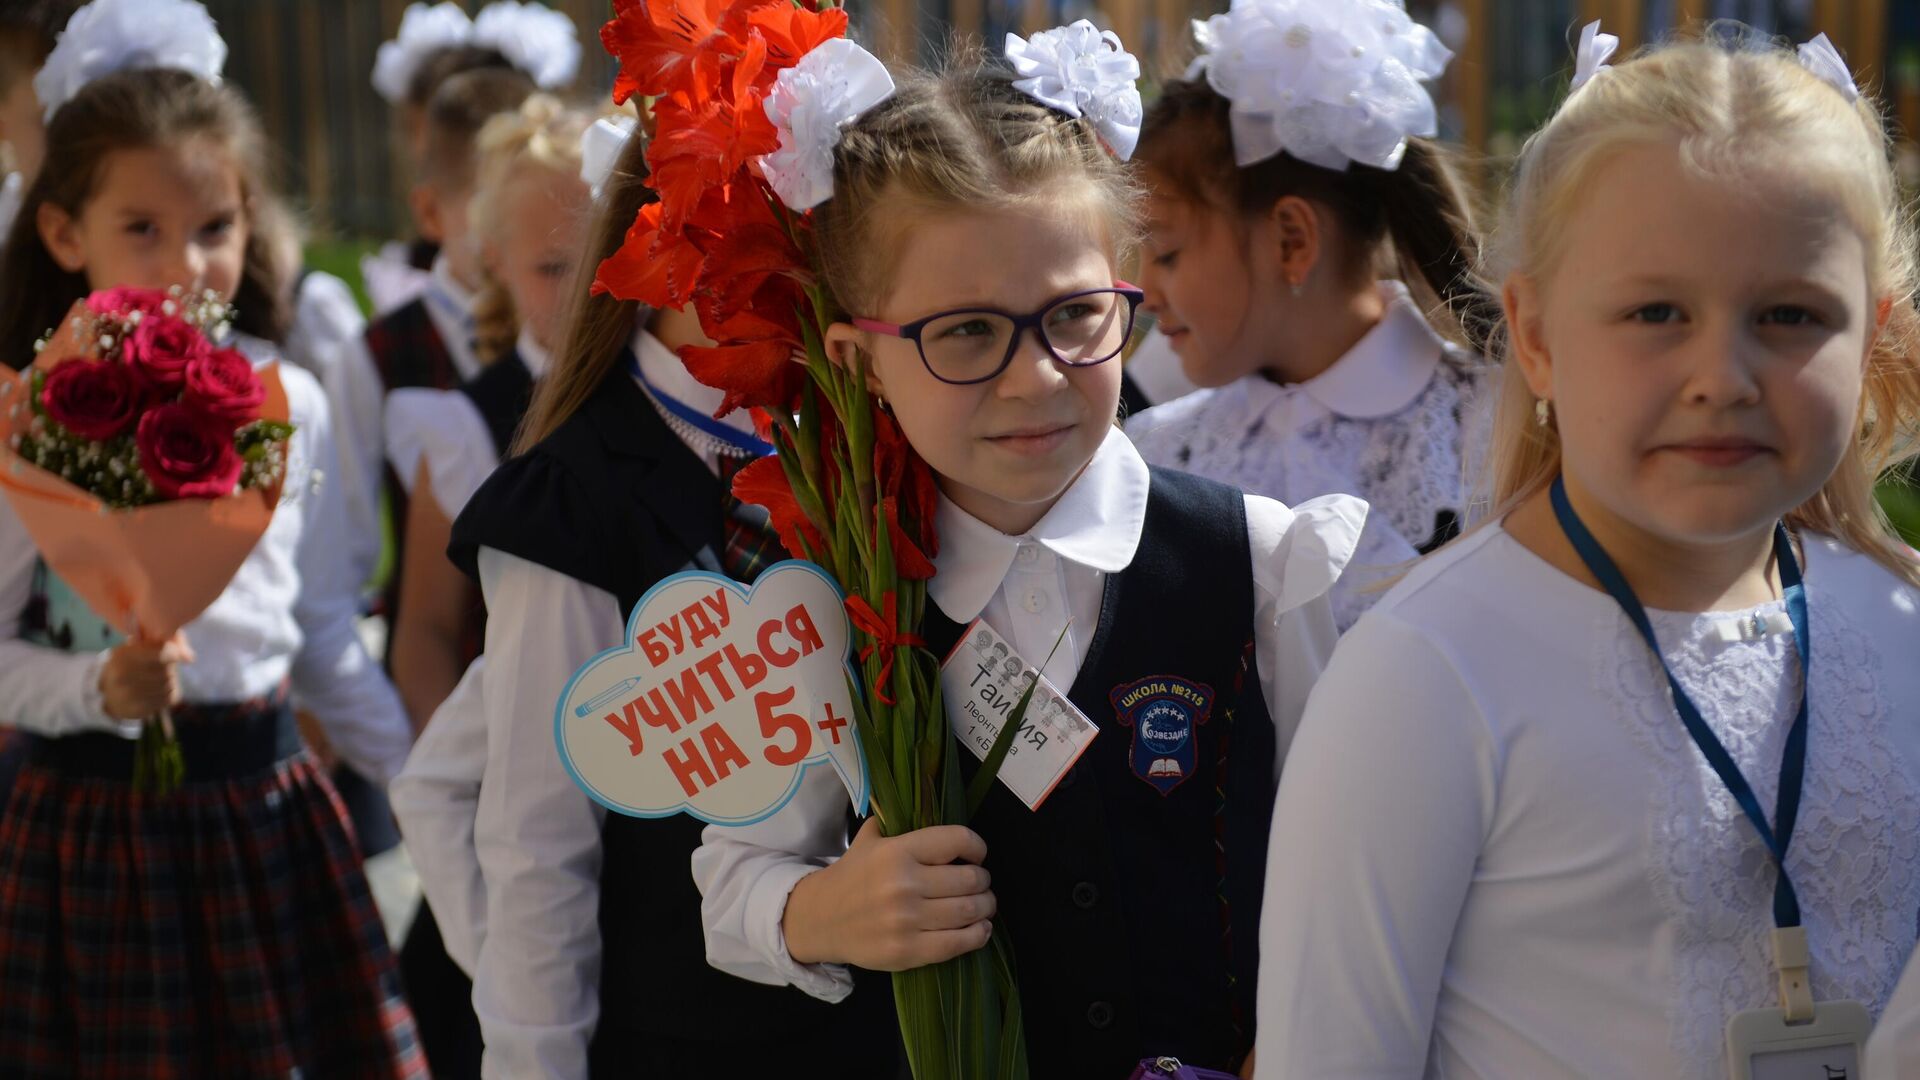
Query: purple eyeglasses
pixel 973 345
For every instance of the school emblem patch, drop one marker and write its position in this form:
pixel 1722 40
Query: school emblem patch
pixel 1165 714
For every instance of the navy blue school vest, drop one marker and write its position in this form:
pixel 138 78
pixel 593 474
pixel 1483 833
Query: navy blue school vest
pixel 614 499
pixel 1133 894
pixel 501 393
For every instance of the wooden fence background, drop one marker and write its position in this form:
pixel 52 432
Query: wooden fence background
pixel 306 63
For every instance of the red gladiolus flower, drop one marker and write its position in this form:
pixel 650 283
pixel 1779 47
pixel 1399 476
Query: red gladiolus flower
pixel 899 470
pixel 187 453
pixel 674 48
pixel 908 560
pixel 655 266
pixel 764 483
pixel 754 374
pixel 93 399
pixel 793 32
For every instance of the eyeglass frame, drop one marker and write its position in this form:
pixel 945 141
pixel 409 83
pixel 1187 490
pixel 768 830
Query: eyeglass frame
pixel 910 331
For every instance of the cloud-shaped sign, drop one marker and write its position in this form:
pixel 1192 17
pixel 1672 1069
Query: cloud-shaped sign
pixel 721 698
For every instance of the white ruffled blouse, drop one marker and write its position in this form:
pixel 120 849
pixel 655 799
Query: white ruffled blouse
pixel 1394 421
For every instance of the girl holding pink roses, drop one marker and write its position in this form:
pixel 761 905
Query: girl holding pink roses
pixel 223 928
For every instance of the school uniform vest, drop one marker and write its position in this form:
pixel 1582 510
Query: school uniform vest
pixel 501 394
pixel 614 499
pixel 407 352
pixel 1133 895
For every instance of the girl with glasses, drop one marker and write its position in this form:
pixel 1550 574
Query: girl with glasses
pixel 975 231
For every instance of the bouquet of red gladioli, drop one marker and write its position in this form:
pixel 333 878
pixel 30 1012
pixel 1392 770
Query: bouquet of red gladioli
pixel 845 489
pixel 145 462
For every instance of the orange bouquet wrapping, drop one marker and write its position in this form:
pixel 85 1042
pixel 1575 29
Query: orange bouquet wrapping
pixel 146 464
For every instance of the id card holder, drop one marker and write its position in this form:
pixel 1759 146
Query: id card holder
pixel 981 681
pixel 1763 1045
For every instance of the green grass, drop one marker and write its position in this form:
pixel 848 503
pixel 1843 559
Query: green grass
pixel 341 258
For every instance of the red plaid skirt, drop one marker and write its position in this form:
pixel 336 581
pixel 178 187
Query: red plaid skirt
pixel 222 930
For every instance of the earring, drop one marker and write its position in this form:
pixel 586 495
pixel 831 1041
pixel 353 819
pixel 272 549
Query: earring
pixel 1542 412
pixel 1298 287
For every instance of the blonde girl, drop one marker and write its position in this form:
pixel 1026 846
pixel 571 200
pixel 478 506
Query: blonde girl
pixel 1558 766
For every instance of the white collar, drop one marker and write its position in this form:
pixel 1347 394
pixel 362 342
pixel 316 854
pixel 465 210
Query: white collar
pixel 440 279
pixel 532 353
pixel 669 378
pixel 1384 371
pixel 1096 522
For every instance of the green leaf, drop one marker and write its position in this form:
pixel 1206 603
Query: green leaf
pixel 990 768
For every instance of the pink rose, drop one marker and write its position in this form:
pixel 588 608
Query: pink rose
pixel 92 399
pixel 160 348
pixel 223 384
pixel 126 301
pixel 187 453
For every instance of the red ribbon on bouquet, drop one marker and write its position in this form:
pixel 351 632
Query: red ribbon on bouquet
pixel 884 628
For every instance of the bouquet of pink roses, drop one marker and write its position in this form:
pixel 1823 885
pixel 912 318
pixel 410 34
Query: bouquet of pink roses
pixel 146 463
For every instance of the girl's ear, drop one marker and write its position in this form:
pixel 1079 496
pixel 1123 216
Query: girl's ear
pixel 1522 301
pixel 843 349
pixel 1296 227
pixel 60 233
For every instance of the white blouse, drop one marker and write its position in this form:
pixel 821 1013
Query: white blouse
pixel 1394 421
pixel 354 385
pixel 1025 587
pixel 1502 855
pixel 391 278
pixel 536 833
pixel 436 799
pixel 286 615
pixel 444 429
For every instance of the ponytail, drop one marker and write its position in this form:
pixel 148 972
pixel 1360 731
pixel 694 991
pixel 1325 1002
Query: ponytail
pixel 1430 221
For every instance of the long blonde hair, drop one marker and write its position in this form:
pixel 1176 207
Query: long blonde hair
pixel 1730 106
pixel 542 134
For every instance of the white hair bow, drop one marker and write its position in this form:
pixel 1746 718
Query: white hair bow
pixel 537 40
pixel 811 103
pixel 1083 71
pixel 1590 56
pixel 423 31
pixel 122 35
pixel 1820 57
pixel 600 147
pixel 1331 82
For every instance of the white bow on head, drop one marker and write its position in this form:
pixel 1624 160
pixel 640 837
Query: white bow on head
pixel 1331 82
pixel 107 36
pixel 1590 56
pixel 811 103
pixel 423 31
pixel 537 40
pixel 1820 57
pixel 600 147
pixel 1083 71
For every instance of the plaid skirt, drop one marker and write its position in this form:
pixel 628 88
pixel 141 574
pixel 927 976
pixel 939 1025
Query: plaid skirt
pixel 222 930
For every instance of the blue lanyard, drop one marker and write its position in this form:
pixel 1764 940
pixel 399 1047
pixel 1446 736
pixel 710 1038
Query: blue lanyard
pixel 1793 765
pixel 741 441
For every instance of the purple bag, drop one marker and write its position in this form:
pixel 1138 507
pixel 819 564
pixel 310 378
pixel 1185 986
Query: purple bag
pixel 1169 1068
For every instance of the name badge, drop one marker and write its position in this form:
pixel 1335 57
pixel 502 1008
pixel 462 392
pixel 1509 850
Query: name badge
pixel 981 682
pixel 1763 1045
